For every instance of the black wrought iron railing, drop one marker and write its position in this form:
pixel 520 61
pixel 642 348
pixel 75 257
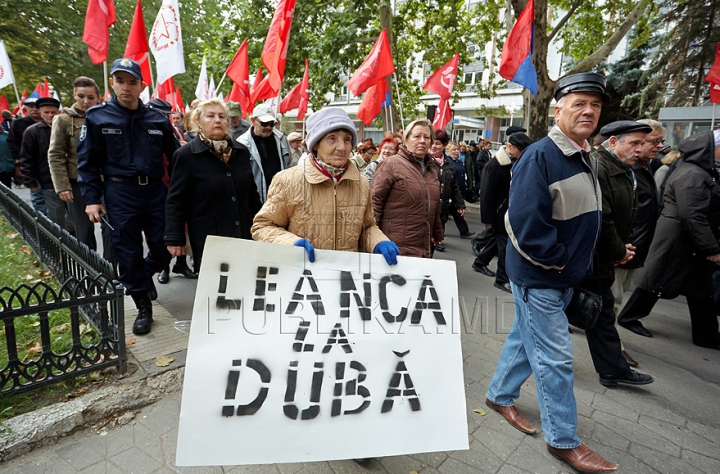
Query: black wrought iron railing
pixel 89 291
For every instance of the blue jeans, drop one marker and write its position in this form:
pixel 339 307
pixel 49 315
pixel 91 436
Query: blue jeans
pixel 539 344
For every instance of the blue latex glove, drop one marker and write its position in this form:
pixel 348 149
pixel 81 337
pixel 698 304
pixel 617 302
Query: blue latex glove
pixel 308 246
pixel 389 250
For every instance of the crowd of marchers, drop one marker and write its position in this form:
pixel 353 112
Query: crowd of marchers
pixel 563 218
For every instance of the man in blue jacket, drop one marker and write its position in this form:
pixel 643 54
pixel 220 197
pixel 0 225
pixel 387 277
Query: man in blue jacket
pixel 120 158
pixel 553 222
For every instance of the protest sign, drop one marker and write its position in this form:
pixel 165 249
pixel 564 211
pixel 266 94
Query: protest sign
pixel 347 357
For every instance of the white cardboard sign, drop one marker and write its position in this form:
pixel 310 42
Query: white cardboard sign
pixel 343 358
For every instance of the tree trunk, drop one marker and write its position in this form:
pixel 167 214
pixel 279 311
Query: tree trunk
pixel 539 105
pixel 537 111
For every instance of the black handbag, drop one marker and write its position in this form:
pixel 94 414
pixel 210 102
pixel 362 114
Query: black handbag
pixel 584 308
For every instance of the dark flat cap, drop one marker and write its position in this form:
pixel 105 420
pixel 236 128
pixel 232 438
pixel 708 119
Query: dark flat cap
pixel 583 82
pixel 47 101
pixel 126 65
pixel 472 143
pixel 513 129
pixel 162 105
pixel 624 126
pixel 520 140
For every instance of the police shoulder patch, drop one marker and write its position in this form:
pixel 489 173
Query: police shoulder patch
pixel 155 132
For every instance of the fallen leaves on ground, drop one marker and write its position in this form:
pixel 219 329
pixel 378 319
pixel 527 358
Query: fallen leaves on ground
pixel 25 249
pixel 76 393
pixel 130 341
pixel 164 361
pixel 12 235
pixel 480 411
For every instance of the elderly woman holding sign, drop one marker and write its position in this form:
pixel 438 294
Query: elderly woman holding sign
pixel 324 203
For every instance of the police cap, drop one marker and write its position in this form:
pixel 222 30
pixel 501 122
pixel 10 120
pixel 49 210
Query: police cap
pixel 620 127
pixel 126 65
pixel 583 82
pixel 47 101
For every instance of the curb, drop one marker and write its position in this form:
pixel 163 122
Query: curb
pixel 29 431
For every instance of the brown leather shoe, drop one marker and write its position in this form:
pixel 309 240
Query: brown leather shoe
pixel 583 459
pixel 631 362
pixel 512 416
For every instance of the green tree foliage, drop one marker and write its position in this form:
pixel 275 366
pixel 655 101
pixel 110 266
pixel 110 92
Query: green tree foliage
pixel 628 81
pixel 686 51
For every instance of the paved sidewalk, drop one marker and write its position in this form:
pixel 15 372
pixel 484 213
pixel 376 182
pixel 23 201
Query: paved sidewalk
pixel 670 426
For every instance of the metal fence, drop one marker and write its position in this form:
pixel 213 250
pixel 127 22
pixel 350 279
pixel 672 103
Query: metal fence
pixel 89 291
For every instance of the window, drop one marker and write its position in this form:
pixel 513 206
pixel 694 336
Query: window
pixel 469 78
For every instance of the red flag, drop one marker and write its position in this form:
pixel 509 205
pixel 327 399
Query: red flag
pixel 442 81
pixel 261 89
pixel 294 98
pixel 304 93
pixel 100 16
pixel 46 89
pixel 137 47
pixel 372 102
pixel 39 91
pixel 714 73
pixel 166 91
pixel 238 69
pixel 234 94
pixel 179 104
pixel 713 77
pixel 276 44
pixel 714 93
pixel 376 66
pixel 4 104
pixel 239 72
pixel 443 114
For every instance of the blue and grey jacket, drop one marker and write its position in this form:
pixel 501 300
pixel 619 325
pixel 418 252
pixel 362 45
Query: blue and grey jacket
pixel 554 215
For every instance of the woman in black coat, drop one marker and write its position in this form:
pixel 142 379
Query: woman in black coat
pixel 685 247
pixel 211 186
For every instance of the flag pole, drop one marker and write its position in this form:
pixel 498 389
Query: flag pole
pixel 105 74
pixel 712 124
pixel 217 88
pixel 17 95
pixel 397 90
pixel 152 78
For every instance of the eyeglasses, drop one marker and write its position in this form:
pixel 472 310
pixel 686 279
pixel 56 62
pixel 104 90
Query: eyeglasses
pixel 267 124
pixel 657 142
pixel 370 152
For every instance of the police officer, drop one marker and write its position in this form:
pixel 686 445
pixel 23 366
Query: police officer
pixel 120 156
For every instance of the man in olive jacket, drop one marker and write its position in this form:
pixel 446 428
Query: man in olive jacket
pixel 618 184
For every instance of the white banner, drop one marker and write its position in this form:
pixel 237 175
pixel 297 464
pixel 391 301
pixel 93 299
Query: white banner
pixel 166 42
pixel 343 358
pixel 201 91
pixel 6 72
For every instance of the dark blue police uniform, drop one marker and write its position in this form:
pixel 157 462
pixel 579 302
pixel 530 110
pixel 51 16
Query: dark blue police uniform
pixel 120 156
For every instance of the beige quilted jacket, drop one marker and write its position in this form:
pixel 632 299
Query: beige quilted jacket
pixel 304 203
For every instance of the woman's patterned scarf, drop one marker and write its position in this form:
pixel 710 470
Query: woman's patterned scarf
pixel 328 170
pixel 221 147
